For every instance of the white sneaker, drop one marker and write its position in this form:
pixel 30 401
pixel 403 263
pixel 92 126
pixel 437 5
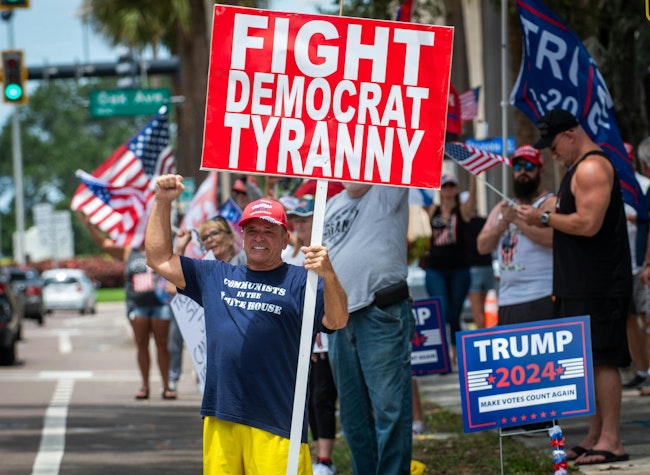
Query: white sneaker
pixel 419 427
pixel 322 469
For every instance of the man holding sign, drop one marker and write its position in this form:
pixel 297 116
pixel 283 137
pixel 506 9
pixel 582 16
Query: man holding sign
pixel 253 317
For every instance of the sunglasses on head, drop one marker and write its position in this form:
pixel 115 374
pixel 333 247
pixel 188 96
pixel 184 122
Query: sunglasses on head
pixel 527 166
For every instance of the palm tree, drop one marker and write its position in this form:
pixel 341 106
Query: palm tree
pixel 182 27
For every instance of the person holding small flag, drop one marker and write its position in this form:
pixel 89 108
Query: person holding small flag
pixel 524 250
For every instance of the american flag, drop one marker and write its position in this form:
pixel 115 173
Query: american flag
pixel 473 159
pixel 116 195
pixel 454 125
pixel 404 12
pixel 469 104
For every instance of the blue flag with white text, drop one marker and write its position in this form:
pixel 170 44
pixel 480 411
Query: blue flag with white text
pixel 557 72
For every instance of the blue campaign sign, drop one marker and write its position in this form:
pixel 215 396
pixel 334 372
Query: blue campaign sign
pixel 430 354
pixel 493 145
pixel 520 374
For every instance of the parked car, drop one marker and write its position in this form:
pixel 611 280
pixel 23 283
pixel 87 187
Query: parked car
pixel 27 283
pixel 68 289
pixel 11 315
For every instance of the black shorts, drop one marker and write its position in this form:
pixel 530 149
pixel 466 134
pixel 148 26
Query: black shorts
pixel 608 327
pixel 533 311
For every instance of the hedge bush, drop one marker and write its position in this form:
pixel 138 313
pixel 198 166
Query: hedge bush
pixel 107 271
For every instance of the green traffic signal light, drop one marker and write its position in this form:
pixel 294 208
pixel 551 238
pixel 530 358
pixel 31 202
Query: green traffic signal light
pixel 13 92
pixel 14 77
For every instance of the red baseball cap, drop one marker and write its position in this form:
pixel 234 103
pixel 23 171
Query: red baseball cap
pixel 266 209
pixel 238 185
pixel 309 188
pixel 530 154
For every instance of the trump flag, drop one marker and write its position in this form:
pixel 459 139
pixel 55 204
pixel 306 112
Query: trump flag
pixel 557 72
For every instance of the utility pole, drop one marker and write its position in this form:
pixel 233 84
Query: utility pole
pixel 17 152
pixel 17 155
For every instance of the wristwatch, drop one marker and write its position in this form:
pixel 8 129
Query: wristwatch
pixel 545 217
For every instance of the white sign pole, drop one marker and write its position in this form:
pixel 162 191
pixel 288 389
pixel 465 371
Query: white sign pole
pixel 304 352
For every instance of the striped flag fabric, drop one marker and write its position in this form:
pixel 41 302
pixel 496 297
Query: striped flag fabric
pixel 469 104
pixel 404 11
pixel 117 194
pixel 454 124
pixel 473 159
pixel 119 209
pixel 202 207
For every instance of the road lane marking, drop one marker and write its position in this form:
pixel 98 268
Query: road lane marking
pixel 52 446
pixel 65 343
pixel 65 374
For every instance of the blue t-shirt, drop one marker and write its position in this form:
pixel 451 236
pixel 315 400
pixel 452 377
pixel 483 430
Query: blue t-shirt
pixel 252 321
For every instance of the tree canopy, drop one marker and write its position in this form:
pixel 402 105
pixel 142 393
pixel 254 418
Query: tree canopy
pixel 58 137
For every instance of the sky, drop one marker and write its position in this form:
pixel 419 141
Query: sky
pixel 51 32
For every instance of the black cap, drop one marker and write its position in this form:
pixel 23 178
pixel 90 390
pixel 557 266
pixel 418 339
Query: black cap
pixel 553 123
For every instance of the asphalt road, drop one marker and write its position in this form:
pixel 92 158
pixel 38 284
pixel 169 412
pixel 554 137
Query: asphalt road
pixel 68 407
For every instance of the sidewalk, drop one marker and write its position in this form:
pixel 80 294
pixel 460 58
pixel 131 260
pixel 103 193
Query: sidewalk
pixel 443 390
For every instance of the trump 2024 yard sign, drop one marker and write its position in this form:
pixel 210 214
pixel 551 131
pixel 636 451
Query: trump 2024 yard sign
pixel 327 97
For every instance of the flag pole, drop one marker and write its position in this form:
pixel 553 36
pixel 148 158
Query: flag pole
pixel 504 90
pixel 305 347
pixel 493 188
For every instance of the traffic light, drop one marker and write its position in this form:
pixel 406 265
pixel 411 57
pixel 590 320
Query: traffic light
pixel 15 76
pixel 14 3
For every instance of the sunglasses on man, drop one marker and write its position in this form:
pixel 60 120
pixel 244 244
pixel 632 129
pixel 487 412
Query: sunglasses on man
pixel 526 166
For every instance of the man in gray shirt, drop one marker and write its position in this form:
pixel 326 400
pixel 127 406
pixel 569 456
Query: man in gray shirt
pixel 365 231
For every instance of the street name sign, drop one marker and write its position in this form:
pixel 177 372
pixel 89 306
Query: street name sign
pixel 126 102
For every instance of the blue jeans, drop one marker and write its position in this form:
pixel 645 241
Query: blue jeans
pixel 175 348
pixel 451 285
pixel 371 365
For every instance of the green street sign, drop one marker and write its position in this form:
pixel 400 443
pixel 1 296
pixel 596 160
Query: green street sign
pixel 126 102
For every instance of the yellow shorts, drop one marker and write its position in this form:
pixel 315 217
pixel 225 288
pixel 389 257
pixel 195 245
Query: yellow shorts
pixel 236 449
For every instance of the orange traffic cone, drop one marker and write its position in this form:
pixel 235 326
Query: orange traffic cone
pixel 491 309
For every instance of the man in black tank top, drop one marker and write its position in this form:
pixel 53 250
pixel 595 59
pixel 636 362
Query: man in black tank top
pixel 592 272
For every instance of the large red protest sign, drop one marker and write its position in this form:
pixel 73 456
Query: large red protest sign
pixel 327 97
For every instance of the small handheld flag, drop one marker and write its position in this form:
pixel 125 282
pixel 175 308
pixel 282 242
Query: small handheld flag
pixel 473 159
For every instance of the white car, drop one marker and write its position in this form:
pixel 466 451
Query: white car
pixel 68 289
